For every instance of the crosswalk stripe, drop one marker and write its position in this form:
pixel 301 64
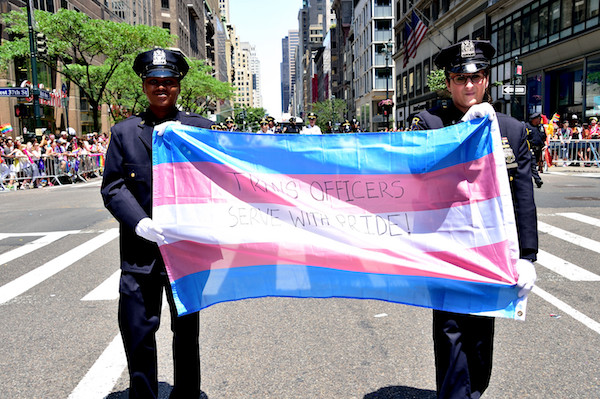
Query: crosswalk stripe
pixel 47 270
pixel 581 218
pixel 48 238
pixel 100 379
pixel 564 268
pixel 569 237
pixel 106 291
pixel 574 313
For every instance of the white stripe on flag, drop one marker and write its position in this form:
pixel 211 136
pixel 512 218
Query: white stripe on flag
pixel 564 268
pixel 49 269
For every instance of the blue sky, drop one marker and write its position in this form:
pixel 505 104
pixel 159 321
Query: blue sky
pixel 264 23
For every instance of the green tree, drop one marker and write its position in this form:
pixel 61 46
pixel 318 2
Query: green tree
pixel 85 51
pixel 247 118
pixel 124 93
pixel 330 110
pixel 200 89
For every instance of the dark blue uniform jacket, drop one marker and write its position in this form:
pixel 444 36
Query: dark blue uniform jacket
pixel 519 176
pixel 127 184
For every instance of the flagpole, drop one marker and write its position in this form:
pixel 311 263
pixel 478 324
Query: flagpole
pixel 429 24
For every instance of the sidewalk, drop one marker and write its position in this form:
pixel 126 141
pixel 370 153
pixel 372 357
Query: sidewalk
pixel 574 169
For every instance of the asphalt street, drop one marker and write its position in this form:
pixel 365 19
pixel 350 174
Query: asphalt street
pixel 60 341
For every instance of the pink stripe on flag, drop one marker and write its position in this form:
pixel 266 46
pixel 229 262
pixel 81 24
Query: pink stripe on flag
pixel 188 257
pixel 204 182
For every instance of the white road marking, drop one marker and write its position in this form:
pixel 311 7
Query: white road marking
pixel 107 291
pixel 569 237
pixel 104 374
pixel 48 238
pixel 574 313
pixel 47 270
pixel 564 268
pixel 581 218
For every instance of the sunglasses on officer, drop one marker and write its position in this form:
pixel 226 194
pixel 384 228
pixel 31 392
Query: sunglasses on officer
pixel 462 79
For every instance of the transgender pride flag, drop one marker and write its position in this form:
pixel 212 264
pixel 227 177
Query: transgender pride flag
pixel 423 218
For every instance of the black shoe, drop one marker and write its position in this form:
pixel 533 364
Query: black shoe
pixel 539 183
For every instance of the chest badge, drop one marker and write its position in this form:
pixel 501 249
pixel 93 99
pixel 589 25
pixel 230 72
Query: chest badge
pixel 509 155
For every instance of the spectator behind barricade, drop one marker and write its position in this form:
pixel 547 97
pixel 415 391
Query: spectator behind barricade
pixel 38 164
pixel 564 135
pixel 594 129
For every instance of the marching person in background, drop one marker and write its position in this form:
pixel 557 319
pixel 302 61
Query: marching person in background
pixel 127 193
pixel 463 343
pixel 311 128
pixel 292 128
pixel 230 125
pixel 271 122
pixel 537 139
pixel 264 126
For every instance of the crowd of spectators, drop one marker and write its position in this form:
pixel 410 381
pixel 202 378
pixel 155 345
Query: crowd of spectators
pixel 37 163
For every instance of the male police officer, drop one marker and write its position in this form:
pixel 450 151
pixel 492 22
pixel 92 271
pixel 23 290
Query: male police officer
pixel 463 343
pixel 312 128
pixel 292 127
pixel 230 125
pixel 537 138
pixel 127 193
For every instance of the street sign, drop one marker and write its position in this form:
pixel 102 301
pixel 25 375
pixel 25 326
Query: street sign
pixel 45 94
pixel 518 90
pixel 14 91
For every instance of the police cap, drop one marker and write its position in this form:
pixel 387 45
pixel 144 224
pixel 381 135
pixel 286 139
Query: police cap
pixel 161 63
pixel 270 119
pixel 263 121
pixel 292 119
pixel 229 119
pixel 312 115
pixel 535 115
pixel 468 56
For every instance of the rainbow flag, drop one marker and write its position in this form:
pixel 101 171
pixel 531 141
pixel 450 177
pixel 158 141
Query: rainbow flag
pixel 422 218
pixel 6 128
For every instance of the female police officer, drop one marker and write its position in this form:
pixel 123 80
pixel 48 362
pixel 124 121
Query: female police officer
pixel 127 194
pixel 463 343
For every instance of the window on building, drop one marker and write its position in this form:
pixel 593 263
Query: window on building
pixel 554 17
pixel 592 92
pixel 516 34
pixel 593 6
pixel 578 12
pixel 164 3
pixel 566 14
pixel 167 26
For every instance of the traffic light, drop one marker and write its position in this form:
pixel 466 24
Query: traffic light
pixel 41 44
pixel 518 72
pixel 21 111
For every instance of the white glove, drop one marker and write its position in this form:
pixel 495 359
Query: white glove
pixel 160 128
pixel 146 228
pixel 527 276
pixel 479 111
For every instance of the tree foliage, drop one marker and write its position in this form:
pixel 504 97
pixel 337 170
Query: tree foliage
pixel 85 51
pixel 333 111
pixel 199 89
pixel 247 118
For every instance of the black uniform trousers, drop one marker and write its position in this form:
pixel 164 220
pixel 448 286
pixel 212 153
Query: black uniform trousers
pixel 139 318
pixel 463 346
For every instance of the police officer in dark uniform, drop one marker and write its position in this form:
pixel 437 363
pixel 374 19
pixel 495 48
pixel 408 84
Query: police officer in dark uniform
pixel 292 127
pixel 230 125
pixel 537 139
pixel 127 193
pixel 463 343
pixel 356 126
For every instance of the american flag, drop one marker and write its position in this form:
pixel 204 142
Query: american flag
pixel 413 34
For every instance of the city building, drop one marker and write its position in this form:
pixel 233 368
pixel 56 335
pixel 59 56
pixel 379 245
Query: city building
pixel 257 100
pixel 289 45
pixel 373 65
pixel 557 43
pixel 342 54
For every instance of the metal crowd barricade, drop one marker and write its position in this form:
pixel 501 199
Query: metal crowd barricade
pixel 573 153
pixel 50 169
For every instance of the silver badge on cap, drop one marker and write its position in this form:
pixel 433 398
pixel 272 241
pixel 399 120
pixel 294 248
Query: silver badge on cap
pixel 467 49
pixel 159 57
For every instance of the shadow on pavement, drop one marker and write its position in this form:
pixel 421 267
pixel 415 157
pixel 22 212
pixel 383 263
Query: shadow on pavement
pixel 401 392
pixel 164 390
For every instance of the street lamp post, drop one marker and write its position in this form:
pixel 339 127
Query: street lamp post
pixel 387 80
pixel 332 112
